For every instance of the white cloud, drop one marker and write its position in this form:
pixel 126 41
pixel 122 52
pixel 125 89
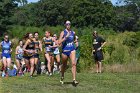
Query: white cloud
pixel 29 1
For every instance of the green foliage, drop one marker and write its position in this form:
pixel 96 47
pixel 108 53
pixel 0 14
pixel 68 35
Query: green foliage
pixel 132 40
pixel 55 12
pixel 110 48
pixel 98 14
pixel 117 49
pixel 6 11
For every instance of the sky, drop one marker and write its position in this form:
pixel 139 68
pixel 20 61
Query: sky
pixel 32 1
pixel 113 1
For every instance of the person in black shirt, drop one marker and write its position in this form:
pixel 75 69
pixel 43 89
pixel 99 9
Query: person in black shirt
pixel 98 43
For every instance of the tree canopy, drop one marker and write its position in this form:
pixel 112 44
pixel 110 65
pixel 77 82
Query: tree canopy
pixel 94 13
pixel 6 12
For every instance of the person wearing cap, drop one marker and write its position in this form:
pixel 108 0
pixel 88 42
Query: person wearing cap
pixel 98 44
pixel 68 51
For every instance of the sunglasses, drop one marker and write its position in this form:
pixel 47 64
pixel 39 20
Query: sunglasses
pixel 68 24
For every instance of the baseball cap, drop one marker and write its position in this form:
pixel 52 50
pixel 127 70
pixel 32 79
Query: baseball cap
pixel 68 22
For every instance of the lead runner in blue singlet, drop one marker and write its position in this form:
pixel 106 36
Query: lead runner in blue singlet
pixel 6 54
pixel 68 51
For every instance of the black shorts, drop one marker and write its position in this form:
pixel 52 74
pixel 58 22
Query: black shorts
pixel 36 56
pixel 98 56
pixel 28 57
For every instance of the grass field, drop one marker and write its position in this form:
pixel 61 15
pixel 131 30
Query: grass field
pixel 89 83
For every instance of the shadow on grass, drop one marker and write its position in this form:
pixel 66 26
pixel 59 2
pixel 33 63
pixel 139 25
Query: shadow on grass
pixel 75 85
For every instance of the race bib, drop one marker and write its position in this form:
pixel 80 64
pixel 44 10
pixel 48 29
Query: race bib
pixel 70 44
pixel 48 49
pixel 6 51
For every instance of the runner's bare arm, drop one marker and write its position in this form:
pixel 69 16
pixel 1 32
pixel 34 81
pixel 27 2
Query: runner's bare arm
pixel 61 39
pixel 103 44
pixel 25 45
pixel 11 47
pixel 40 45
pixel 0 44
pixel 17 50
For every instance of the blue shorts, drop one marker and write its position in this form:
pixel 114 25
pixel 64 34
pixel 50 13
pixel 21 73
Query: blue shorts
pixel 67 51
pixel 6 55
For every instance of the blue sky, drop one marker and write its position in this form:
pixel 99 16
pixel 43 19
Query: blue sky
pixel 113 1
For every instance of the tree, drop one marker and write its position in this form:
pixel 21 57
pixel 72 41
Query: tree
pixel 22 2
pixel 97 13
pixel 6 11
pixel 129 15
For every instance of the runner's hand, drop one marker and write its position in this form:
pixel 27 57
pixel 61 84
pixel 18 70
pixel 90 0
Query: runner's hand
pixel 67 34
pixel 50 46
pixel 93 51
pixel 99 48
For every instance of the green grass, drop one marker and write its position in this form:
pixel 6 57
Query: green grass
pixel 89 83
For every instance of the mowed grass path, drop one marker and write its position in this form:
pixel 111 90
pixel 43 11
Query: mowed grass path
pixel 88 83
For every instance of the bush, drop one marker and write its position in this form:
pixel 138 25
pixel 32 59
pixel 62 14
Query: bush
pixel 132 40
pixel 121 48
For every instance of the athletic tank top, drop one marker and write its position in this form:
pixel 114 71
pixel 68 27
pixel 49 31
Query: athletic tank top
pixel 6 47
pixel 56 50
pixel 69 42
pixel 20 53
pixel 20 50
pixel 36 44
pixel 48 42
pixel 31 46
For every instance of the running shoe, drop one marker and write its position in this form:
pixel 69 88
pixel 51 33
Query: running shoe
pixel 61 80
pixel 31 76
pixel 47 73
pixel 3 74
pixel 50 74
pixel 75 82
